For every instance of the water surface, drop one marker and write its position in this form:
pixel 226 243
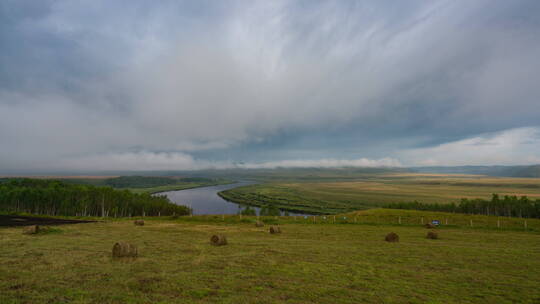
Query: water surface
pixel 204 200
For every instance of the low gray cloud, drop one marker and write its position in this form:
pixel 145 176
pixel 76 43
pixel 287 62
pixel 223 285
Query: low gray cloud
pixel 510 147
pixel 138 85
pixel 171 161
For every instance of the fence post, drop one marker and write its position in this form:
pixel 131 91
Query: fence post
pixel 446 221
pixel 422 220
pixel 240 215
pixel 399 220
pixel 223 216
pixel 334 218
pixel 498 223
pixel 471 222
pixel 525 224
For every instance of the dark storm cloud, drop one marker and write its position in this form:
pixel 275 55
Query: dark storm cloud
pixel 193 84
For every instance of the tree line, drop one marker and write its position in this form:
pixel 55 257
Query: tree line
pixel 510 206
pixel 265 210
pixel 52 197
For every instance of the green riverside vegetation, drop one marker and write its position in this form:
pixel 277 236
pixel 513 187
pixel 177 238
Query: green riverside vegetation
pixel 50 197
pixel 507 206
pixel 379 190
pixel 150 184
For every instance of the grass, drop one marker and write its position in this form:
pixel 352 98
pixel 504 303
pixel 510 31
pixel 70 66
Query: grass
pixel 179 186
pixel 378 190
pixel 49 230
pixel 135 183
pixel 307 263
pixel 387 217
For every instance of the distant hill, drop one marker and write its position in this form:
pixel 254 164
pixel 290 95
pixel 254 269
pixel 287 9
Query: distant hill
pixel 503 171
pixel 297 174
pixel 123 179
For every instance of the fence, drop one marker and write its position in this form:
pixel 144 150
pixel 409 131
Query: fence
pixel 457 220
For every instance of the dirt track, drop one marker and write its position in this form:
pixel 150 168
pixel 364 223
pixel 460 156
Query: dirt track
pixel 15 220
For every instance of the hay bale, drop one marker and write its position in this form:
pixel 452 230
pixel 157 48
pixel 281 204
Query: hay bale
pixel 259 224
pixel 430 226
pixel 432 235
pixel 392 237
pixel 275 229
pixel 218 240
pixel 139 222
pixel 123 249
pixel 34 229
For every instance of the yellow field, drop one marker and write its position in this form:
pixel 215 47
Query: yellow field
pixel 379 190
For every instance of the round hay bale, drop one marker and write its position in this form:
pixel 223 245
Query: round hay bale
pixel 123 249
pixel 392 237
pixel 432 235
pixel 430 226
pixel 139 222
pixel 218 240
pixel 259 224
pixel 34 229
pixel 275 229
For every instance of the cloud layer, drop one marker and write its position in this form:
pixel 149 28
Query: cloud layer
pixel 180 161
pixel 516 146
pixel 184 84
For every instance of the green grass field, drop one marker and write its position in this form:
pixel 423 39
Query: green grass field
pixel 307 263
pixel 378 190
pixel 178 186
pixel 139 184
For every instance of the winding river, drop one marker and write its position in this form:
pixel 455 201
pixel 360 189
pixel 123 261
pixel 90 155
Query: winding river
pixel 204 200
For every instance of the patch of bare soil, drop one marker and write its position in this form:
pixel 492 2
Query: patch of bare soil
pixel 16 220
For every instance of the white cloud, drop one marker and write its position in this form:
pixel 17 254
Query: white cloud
pixel 324 163
pixel 171 161
pixel 102 79
pixel 519 146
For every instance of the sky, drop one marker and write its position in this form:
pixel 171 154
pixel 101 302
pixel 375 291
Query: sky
pixel 97 85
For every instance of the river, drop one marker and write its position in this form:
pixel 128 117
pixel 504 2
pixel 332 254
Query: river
pixel 204 200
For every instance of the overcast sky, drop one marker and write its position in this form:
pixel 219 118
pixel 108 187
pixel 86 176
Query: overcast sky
pixel 175 85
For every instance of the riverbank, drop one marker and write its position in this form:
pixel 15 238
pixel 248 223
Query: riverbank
pixel 379 190
pixel 178 187
pixel 233 197
pixel 205 200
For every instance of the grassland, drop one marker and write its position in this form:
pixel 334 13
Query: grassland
pixel 307 263
pixel 179 186
pixel 377 190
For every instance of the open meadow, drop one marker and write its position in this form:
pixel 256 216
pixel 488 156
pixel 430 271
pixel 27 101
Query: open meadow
pixel 309 262
pixel 377 190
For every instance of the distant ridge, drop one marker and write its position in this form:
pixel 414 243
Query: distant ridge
pixel 503 171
